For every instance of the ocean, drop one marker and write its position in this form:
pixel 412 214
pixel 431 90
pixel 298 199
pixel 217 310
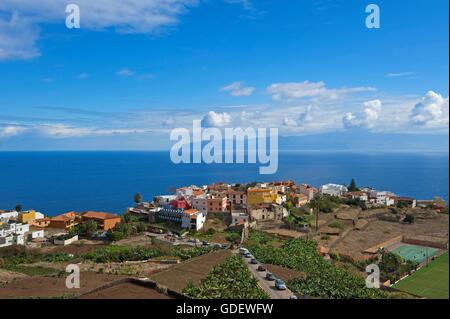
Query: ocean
pixel 56 182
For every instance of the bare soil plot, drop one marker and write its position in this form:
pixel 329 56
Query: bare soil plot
pixel 379 231
pixel 193 270
pixel 8 276
pixel 289 233
pixel 78 248
pixel 126 290
pixel 348 213
pixel 53 287
pixel 138 240
pixel 133 269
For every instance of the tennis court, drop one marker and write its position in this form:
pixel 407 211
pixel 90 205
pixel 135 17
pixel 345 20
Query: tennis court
pixel 429 281
pixel 415 253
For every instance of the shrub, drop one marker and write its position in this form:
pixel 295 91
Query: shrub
pixel 336 224
pixel 187 253
pixel 409 218
pixel 122 253
pixel 115 235
pixel 233 237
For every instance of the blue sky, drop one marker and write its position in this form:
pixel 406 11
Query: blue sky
pixel 136 70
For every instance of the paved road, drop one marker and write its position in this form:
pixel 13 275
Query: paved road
pixel 267 286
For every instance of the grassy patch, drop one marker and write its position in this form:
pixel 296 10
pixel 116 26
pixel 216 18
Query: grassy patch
pixel 336 224
pixel 33 270
pixel 430 281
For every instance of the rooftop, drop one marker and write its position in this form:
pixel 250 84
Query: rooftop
pixel 99 215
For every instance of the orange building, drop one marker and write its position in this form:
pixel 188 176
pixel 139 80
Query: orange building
pixel 65 221
pixel 42 223
pixel 217 204
pixel 105 221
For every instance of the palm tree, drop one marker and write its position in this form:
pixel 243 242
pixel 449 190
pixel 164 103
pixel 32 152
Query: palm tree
pixel 137 198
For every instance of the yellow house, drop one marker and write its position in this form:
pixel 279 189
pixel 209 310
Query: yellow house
pixel 25 217
pixel 257 196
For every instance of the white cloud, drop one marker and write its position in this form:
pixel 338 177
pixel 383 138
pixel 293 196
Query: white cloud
pixel 125 72
pixel 399 74
pixel 307 115
pixel 10 131
pixel 431 111
pixel 289 122
pixel 82 76
pixel 213 119
pixel 169 122
pixel 304 117
pixel 247 4
pixel 237 89
pixel 19 35
pixel 298 90
pixel 365 118
pixel 63 131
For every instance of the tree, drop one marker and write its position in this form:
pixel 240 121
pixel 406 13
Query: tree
pixel 409 218
pixel 137 198
pixel 115 235
pixel 141 227
pixel 352 187
pixel 90 227
pixel 18 208
pixel 129 218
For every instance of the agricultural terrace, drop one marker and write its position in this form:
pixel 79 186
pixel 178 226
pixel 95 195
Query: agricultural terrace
pixel 228 280
pixel 430 281
pixel 323 279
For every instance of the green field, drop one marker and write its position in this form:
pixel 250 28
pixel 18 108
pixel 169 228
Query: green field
pixel 430 281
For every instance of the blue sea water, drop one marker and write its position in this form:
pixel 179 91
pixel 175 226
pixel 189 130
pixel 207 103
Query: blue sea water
pixel 56 182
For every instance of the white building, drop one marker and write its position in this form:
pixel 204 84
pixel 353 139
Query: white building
pixel 13 234
pixel 36 234
pixel 4 216
pixel 193 219
pixel 239 218
pixel 188 191
pixel 162 200
pixel 14 229
pixel 382 198
pixel 333 189
pixel 6 241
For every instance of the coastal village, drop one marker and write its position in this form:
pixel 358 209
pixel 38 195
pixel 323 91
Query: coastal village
pixel 172 245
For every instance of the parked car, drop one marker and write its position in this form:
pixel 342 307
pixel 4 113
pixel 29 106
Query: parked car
pixel 280 285
pixel 205 243
pixel 248 255
pixel 243 251
pixel 261 268
pixel 293 297
pixel 253 261
pixel 270 276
